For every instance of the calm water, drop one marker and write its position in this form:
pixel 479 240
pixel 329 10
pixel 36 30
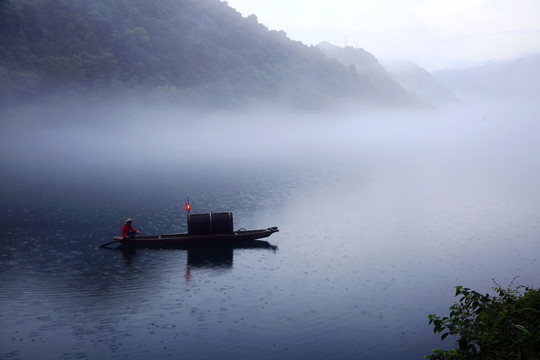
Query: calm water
pixel 379 217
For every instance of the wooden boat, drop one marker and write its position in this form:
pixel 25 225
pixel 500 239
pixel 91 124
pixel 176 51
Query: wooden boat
pixel 203 229
pixel 172 240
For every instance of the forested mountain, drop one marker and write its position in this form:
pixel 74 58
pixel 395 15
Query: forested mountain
pixel 186 51
pixel 369 68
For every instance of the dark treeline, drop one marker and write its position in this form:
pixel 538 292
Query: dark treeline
pixel 186 51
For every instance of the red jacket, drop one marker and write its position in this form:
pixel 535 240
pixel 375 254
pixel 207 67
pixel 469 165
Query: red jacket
pixel 127 228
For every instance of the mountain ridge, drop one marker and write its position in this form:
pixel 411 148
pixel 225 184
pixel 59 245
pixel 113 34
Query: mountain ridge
pixel 198 53
pixel 511 78
pixel 421 84
pixel 367 66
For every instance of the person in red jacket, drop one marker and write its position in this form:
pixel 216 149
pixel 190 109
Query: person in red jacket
pixel 128 230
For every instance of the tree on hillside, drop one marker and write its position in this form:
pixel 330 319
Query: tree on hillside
pixel 504 326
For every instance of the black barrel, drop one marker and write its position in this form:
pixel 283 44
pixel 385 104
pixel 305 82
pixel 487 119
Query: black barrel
pixel 199 224
pixel 210 223
pixel 222 223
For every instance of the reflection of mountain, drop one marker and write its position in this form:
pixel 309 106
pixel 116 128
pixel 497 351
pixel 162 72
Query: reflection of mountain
pixel 420 84
pixel 215 256
pixel 501 79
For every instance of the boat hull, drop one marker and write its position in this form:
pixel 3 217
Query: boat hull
pixel 172 240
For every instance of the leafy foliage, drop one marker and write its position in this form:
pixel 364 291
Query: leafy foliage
pixel 188 50
pixel 505 326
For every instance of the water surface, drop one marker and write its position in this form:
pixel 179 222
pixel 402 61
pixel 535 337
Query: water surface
pixel 380 216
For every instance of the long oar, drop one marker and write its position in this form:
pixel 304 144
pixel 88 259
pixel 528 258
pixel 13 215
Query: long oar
pixel 109 243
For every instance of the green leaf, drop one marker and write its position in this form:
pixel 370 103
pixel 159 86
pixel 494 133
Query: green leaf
pixel 488 324
pixel 522 328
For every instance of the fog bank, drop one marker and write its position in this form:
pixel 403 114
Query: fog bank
pixel 123 143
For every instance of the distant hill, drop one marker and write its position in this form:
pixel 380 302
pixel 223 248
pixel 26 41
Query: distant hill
pixel 420 84
pixel 369 68
pixel 516 78
pixel 197 52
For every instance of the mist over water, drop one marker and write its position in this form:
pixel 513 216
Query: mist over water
pixel 381 214
pixel 467 147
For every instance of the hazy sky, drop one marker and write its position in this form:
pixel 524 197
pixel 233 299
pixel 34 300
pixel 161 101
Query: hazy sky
pixel 433 33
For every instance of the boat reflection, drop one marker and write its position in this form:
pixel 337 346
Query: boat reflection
pixel 204 256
